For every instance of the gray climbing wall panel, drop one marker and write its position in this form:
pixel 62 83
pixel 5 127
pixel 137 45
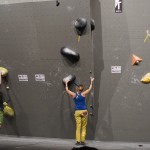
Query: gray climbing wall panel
pixel 123 110
pixel 32 35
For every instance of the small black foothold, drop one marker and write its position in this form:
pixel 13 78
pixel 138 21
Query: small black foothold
pixel 91 106
pixel 140 145
pixel 90 71
pixel 91 114
pixel 57 3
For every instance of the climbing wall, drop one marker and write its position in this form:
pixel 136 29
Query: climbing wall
pixel 32 35
pixel 122 100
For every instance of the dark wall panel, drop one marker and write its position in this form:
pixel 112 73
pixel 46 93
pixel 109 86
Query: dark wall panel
pixel 32 35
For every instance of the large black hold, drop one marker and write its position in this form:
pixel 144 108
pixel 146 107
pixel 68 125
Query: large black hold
pixel 92 24
pixel 70 54
pixel 80 25
pixel 71 78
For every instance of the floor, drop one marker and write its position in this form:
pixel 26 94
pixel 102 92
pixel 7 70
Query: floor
pixel 27 143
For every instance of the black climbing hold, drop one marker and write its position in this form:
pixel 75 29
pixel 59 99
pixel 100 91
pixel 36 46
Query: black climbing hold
pixel 91 114
pixel 71 78
pixel 91 106
pixel 70 54
pixel 92 24
pixel 57 3
pixel 80 25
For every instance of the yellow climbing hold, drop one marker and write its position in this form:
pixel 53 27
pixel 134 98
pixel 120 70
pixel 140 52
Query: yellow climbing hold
pixel 8 110
pixel 146 78
pixel 4 71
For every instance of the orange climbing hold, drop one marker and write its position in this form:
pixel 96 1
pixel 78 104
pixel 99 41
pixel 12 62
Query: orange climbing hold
pixel 136 60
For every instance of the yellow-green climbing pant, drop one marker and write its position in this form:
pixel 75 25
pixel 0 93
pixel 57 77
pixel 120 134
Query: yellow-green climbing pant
pixel 81 117
pixel 1 117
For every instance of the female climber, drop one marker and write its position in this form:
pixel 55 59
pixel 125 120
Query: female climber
pixel 81 113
